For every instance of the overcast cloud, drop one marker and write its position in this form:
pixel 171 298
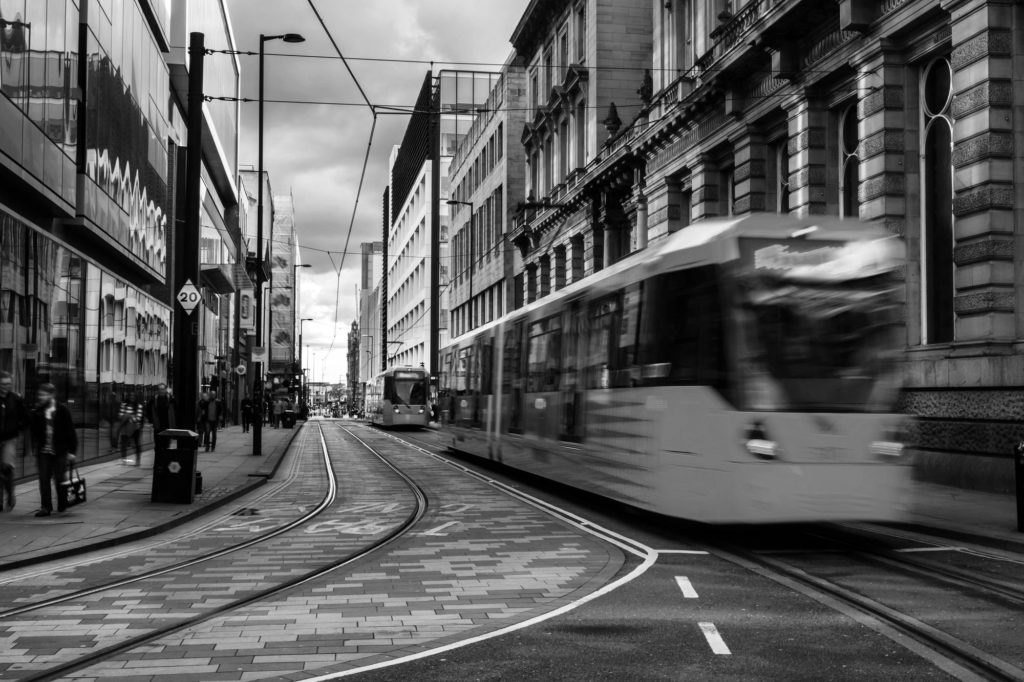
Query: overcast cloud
pixel 316 151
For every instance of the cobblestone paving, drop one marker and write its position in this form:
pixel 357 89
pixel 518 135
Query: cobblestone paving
pixel 60 634
pixel 470 567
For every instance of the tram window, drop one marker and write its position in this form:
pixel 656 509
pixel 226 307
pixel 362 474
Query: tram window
pixel 681 338
pixel 573 349
pixel 485 353
pixel 601 323
pixel 463 370
pixel 544 355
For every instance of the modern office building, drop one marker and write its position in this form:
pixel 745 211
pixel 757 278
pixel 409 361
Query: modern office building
pixel 486 178
pixel 370 267
pixel 417 191
pixel 84 205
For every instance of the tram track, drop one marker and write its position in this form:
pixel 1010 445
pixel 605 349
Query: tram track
pixel 324 503
pixel 104 653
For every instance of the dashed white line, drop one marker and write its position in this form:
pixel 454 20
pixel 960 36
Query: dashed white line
pixel 714 639
pixel 931 549
pixel 686 587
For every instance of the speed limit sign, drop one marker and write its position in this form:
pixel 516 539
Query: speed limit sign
pixel 188 297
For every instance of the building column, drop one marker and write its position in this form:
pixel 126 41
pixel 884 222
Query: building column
pixel 750 154
pixel 807 155
pixel 983 169
pixel 666 209
pixel 704 181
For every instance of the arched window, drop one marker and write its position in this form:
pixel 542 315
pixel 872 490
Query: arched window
pixel 937 201
pixel 849 163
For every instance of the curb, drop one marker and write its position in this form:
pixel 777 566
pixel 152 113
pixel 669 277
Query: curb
pixel 259 479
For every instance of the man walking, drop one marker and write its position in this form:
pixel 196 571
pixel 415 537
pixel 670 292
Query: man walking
pixel 245 408
pixel 160 413
pixel 12 422
pixel 207 419
pixel 54 440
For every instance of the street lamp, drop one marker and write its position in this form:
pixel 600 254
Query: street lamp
pixel 303 390
pixel 472 254
pixel 257 430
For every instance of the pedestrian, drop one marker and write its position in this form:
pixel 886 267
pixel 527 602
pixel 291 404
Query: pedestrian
pixel 207 418
pixel 13 420
pixel 160 413
pixel 55 443
pixel 278 411
pixel 129 428
pixel 245 410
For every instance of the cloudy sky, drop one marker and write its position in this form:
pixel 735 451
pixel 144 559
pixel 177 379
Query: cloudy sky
pixel 316 151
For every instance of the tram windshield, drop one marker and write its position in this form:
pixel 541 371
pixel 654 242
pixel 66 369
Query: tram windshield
pixel 819 335
pixel 407 388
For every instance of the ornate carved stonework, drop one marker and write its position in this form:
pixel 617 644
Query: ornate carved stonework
pixel 993 41
pixel 989 144
pixel 983 199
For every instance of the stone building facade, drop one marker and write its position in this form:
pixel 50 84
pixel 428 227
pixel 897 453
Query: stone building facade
pixel 896 111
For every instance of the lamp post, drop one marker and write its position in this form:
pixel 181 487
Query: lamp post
pixel 257 429
pixel 302 378
pixel 472 254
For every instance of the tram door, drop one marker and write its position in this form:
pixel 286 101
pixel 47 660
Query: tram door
pixel 512 380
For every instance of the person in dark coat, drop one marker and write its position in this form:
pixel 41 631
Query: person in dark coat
pixel 160 413
pixel 208 412
pixel 13 419
pixel 245 411
pixel 54 441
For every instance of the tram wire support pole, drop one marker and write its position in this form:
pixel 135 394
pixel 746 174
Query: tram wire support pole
pixel 186 246
pixel 435 239
pixel 257 424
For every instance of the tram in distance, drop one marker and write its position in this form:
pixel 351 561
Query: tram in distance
pixel 741 371
pixel 398 397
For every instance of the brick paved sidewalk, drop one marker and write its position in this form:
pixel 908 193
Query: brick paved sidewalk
pixel 119 507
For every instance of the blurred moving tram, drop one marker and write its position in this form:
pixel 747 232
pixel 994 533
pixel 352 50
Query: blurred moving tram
pixel 398 397
pixel 740 371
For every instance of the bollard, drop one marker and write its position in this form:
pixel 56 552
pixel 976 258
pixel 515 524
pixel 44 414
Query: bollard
pixel 1018 475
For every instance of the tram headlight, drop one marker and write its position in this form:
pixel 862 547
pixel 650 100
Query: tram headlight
pixel 421 410
pixel 396 409
pixel 759 444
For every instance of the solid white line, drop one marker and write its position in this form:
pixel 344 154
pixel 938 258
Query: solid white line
pixel 930 549
pixel 681 551
pixel 435 531
pixel 686 586
pixel 714 639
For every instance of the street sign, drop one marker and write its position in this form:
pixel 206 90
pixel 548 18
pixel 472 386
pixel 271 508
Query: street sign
pixel 240 370
pixel 188 297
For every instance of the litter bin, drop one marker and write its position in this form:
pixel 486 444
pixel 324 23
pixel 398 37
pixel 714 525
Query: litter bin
pixel 288 419
pixel 174 469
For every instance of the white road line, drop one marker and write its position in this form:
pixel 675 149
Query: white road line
pixel 686 587
pixel 714 639
pixel 681 551
pixel 931 549
pixel 437 531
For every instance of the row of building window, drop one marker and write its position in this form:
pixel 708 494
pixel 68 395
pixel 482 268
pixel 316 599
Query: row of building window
pixel 489 157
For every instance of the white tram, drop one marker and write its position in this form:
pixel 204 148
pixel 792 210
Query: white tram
pixel 399 397
pixel 740 371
